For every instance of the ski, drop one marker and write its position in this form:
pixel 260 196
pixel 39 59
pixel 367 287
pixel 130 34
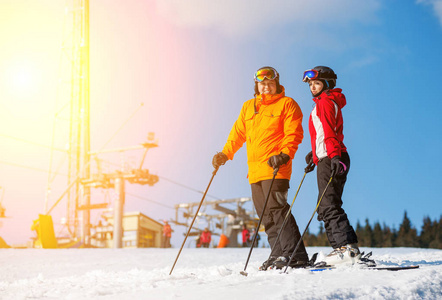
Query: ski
pixel 386 268
pixel 366 260
pixel 365 263
pixel 394 268
pixel 321 269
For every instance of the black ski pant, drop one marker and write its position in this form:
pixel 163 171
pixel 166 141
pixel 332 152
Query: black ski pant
pixel 276 210
pixel 337 226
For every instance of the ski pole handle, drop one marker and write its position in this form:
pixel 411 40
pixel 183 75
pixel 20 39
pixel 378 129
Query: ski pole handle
pixel 214 171
pixel 275 171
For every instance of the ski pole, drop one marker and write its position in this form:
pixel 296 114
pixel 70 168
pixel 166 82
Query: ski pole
pixel 286 217
pixel 308 224
pixel 275 171
pixel 196 214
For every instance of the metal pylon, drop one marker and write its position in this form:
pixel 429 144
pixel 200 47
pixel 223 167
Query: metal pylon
pixel 72 118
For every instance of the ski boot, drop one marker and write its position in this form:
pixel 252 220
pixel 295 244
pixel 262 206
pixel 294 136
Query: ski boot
pixel 268 263
pixel 348 255
pixel 281 262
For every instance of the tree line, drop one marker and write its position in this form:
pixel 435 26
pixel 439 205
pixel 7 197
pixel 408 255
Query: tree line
pixel 383 236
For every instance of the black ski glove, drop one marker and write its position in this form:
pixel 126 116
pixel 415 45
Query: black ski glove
pixel 310 164
pixel 219 159
pixel 276 161
pixel 337 166
pixel 309 158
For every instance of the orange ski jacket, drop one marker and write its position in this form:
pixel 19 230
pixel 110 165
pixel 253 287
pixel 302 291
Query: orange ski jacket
pixel 269 124
pixel 167 230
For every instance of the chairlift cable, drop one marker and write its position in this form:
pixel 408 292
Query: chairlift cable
pixel 27 167
pixel 187 187
pixel 146 199
pixel 32 143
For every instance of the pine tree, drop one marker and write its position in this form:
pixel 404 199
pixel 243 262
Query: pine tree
pixel 384 236
pixel 365 235
pixel 427 233
pixel 378 236
pixel 437 235
pixel 407 235
pixel 388 236
pixel 359 232
pixel 322 239
pixel 309 239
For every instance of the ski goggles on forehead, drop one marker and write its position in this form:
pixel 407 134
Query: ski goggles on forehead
pixel 310 75
pixel 268 73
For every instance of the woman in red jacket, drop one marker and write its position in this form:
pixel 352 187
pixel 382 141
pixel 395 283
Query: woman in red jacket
pixel 205 238
pixel 245 236
pixel 330 155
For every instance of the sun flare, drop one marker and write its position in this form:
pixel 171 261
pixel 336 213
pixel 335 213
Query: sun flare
pixel 22 79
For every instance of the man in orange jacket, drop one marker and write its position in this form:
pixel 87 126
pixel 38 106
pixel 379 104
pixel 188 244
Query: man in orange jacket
pixel 167 234
pixel 271 126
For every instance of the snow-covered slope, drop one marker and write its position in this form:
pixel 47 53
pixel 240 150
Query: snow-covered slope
pixel 208 273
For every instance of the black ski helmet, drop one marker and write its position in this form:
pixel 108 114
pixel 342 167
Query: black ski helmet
pixel 327 76
pixel 278 86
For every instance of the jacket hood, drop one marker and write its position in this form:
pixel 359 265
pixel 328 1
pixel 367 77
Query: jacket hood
pixel 336 95
pixel 267 99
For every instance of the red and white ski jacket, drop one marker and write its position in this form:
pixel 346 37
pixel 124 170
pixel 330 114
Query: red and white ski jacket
pixel 326 125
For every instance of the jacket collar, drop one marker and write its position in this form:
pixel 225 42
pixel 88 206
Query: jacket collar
pixel 335 95
pixel 269 99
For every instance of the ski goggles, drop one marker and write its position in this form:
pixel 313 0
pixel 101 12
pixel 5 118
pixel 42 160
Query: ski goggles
pixel 310 75
pixel 264 73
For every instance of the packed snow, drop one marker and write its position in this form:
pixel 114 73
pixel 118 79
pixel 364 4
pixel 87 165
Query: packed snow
pixel 208 273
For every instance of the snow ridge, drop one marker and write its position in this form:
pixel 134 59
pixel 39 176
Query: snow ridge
pixel 144 274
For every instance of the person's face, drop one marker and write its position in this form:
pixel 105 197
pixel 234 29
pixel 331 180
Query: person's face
pixel 315 86
pixel 267 87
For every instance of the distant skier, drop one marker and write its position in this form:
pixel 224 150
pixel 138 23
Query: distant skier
pixel 205 238
pixel 258 237
pixel 245 236
pixel 330 155
pixel 167 234
pixel 271 126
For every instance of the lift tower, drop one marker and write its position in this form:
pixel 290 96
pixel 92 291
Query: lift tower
pixel 79 156
pixel 79 132
pixel 73 106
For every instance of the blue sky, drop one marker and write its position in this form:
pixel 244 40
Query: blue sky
pixel 192 62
